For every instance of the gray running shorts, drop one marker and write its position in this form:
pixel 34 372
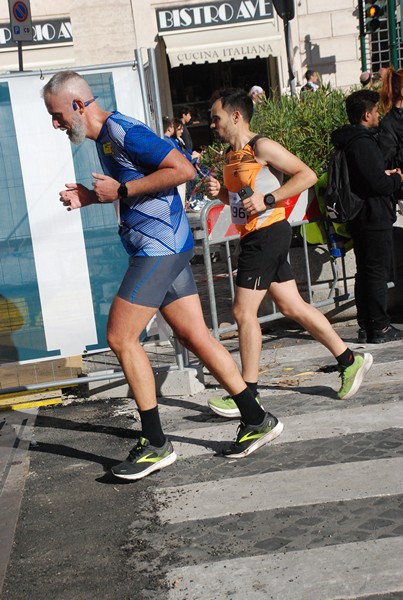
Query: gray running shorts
pixel 156 281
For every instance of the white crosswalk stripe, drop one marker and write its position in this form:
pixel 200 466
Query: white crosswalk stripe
pixel 340 571
pixel 332 571
pixel 285 488
pixel 327 424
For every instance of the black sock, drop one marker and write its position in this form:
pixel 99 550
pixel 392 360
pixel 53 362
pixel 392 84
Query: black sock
pixel 252 387
pixel 151 427
pixel 346 359
pixel 251 411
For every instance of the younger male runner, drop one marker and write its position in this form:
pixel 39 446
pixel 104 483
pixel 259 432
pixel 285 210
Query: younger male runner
pixel 254 189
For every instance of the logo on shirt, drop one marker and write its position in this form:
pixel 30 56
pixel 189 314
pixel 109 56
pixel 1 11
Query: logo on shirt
pixel 107 148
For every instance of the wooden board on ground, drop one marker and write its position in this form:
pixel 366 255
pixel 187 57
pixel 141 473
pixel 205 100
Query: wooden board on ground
pixel 21 400
pixel 57 369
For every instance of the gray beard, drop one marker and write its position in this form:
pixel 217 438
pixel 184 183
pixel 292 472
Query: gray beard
pixel 77 132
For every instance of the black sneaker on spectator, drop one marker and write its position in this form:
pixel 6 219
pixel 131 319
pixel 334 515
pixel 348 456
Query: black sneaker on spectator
pixel 362 336
pixel 388 334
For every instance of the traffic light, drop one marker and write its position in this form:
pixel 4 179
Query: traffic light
pixel 374 10
pixel 285 9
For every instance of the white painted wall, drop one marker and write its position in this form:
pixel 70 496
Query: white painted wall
pixel 324 36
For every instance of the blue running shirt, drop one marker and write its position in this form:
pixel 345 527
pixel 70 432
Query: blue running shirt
pixel 154 225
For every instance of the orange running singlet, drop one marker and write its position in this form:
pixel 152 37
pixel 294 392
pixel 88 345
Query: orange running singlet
pixel 240 169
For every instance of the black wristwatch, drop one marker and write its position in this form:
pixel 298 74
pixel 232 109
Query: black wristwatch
pixel 269 200
pixel 123 192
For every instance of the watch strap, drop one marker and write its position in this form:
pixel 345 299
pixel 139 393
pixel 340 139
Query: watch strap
pixel 123 191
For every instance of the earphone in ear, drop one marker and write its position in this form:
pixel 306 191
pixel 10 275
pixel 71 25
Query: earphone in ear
pixel 86 103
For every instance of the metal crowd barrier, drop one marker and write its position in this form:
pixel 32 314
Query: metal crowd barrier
pixel 217 229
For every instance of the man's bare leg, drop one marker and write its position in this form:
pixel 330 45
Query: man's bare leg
pixel 152 451
pixel 257 427
pixel 125 325
pixel 290 303
pixel 245 310
pixel 186 319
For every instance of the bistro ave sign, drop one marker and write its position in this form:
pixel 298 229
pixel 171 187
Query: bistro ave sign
pixel 212 14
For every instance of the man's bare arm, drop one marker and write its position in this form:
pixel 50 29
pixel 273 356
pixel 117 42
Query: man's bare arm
pixel 172 171
pixel 302 177
pixel 274 154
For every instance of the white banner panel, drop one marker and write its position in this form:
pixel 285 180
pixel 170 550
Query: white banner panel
pixel 57 235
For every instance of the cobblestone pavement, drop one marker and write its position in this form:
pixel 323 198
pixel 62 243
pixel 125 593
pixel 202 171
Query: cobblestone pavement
pixel 316 515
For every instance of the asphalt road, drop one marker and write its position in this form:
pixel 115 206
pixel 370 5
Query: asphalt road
pixel 316 515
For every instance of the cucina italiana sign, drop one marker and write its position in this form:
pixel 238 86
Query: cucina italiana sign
pixel 56 31
pixel 236 52
pixel 213 14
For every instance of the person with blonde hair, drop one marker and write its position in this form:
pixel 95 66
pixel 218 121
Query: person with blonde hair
pixel 391 127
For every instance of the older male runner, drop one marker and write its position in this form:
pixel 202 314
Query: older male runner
pixel 141 175
pixel 254 189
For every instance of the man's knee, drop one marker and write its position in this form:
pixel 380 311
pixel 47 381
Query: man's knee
pixel 289 311
pixel 118 341
pixel 114 341
pixel 243 314
pixel 238 313
pixel 293 310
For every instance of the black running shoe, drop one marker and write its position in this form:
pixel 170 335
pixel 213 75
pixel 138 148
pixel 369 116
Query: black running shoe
pixel 251 437
pixel 144 459
pixel 388 334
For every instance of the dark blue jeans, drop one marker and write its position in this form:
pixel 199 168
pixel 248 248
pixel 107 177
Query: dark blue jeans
pixel 374 257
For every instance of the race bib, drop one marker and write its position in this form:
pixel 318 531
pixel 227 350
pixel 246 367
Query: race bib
pixel 238 213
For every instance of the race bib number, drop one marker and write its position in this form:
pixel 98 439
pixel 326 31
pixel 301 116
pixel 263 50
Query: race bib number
pixel 238 213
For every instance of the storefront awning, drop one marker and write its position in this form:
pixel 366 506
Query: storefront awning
pixel 223 43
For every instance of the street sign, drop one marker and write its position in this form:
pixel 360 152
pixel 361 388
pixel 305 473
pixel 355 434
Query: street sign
pixel 20 18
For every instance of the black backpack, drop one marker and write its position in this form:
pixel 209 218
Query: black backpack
pixel 342 204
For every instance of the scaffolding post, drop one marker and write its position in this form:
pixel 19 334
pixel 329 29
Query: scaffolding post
pixel 143 85
pixel 155 91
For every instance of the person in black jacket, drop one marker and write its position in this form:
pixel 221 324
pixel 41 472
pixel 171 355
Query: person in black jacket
pixel 371 229
pixel 391 126
pixel 185 116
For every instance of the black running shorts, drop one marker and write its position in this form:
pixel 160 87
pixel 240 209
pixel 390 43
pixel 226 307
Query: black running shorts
pixel 156 281
pixel 264 257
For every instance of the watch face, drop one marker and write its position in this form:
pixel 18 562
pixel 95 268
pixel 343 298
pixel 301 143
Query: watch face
pixel 269 200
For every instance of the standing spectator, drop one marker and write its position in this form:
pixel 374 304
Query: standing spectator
pixel 382 72
pixel 391 127
pixel 141 175
pixel 256 93
pixel 312 79
pixel 185 116
pixel 169 132
pixel 372 228
pixel 366 80
pixel 254 189
pixel 178 136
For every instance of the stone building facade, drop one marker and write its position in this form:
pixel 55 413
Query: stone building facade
pixel 200 45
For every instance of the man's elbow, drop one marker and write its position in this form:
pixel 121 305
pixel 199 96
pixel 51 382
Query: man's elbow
pixel 189 173
pixel 311 178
